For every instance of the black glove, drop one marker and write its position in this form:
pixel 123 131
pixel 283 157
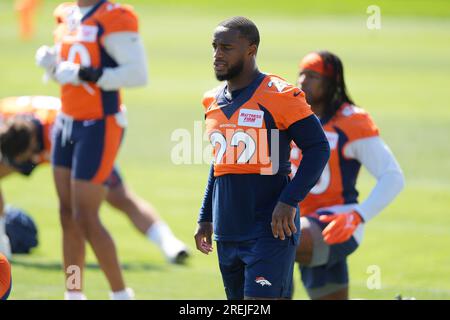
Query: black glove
pixel 89 74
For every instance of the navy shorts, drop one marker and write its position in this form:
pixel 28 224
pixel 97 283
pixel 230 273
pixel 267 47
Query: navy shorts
pixel 260 268
pixel 335 270
pixel 115 179
pixel 89 148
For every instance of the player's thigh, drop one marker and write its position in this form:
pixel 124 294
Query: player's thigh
pixel 312 249
pixel 118 194
pixel 326 276
pixel 62 146
pixel 96 150
pixel 232 269
pixel 269 269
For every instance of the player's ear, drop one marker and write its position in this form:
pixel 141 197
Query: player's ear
pixel 252 50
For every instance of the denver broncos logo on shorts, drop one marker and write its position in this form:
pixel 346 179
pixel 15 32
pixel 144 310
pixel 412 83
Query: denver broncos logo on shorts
pixel 263 281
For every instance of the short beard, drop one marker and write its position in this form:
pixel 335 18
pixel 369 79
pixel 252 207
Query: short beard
pixel 233 72
pixel 309 100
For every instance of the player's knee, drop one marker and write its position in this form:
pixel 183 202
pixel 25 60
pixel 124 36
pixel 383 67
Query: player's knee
pixel 312 250
pixel 66 217
pixel 87 222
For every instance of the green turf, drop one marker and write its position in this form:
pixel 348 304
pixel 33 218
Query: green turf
pixel 400 74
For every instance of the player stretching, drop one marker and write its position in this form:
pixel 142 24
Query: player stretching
pixel 332 220
pixel 251 121
pixel 98 51
pixel 25 142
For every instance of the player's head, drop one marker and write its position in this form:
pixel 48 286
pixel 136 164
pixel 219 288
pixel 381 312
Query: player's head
pixel 321 77
pixel 18 140
pixel 235 44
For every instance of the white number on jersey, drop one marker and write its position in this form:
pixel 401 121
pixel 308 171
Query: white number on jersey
pixel 239 136
pixel 82 52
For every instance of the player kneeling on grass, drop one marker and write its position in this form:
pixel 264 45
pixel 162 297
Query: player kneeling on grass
pixel 332 220
pixel 250 202
pixel 25 142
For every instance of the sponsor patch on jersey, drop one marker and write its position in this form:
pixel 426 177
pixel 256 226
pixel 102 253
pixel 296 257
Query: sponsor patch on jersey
pixel 87 33
pixel 332 138
pixel 251 118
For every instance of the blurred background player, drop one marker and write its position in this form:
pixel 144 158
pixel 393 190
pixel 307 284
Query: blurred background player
pixel 332 220
pixel 5 278
pixel 250 203
pixel 25 142
pixel 97 52
pixel 26 10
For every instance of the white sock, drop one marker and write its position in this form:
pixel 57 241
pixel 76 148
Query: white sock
pixel 171 247
pixel 74 295
pixel 159 232
pixel 127 294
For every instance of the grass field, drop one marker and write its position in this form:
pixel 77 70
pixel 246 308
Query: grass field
pixel 400 74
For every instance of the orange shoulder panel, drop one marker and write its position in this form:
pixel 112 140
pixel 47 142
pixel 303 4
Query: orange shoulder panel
pixel 356 123
pixel 118 18
pixel 209 97
pixel 285 102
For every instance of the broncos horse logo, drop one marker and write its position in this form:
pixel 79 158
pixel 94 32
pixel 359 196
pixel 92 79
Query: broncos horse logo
pixel 263 281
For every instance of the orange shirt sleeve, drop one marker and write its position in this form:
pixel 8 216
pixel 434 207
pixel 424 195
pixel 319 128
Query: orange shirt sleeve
pixel 209 97
pixel 290 106
pixel 360 125
pixel 119 19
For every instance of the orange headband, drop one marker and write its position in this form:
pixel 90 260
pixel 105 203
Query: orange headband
pixel 314 62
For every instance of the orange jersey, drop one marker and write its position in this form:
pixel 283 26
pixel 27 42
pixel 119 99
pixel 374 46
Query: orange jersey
pixel 41 108
pixel 5 277
pixel 80 40
pixel 249 131
pixel 337 185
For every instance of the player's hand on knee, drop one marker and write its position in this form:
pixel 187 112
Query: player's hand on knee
pixel 340 226
pixel 283 221
pixel 203 237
